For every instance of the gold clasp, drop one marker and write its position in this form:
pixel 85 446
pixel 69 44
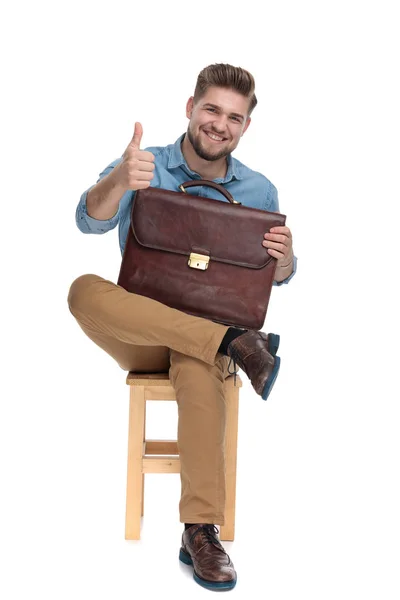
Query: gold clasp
pixel 198 261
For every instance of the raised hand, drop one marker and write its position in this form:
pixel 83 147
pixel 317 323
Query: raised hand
pixel 135 171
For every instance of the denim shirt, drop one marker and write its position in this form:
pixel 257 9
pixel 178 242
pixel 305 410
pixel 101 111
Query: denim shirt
pixel 171 170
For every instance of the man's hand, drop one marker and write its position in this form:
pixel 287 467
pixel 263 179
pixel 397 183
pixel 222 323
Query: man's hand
pixel 279 245
pixel 135 171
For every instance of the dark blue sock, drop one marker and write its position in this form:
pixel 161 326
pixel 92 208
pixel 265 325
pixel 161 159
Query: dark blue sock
pixel 231 334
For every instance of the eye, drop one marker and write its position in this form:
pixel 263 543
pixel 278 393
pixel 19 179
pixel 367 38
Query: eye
pixel 236 119
pixel 210 109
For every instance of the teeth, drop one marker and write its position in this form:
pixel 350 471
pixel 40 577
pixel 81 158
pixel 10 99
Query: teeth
pixel 215 137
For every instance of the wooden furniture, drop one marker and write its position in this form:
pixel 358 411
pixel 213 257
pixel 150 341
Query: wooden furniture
pixel 162 456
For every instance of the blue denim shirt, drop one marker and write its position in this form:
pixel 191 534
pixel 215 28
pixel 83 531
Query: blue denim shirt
pixel 171 170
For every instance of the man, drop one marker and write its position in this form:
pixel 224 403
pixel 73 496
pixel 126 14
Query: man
pixel 146 336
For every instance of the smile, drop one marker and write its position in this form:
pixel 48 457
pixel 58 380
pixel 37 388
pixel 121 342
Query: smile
pixel 214 137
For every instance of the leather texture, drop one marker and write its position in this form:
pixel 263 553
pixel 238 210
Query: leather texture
pixel 252 353
pixel 211 563
pixel 167 226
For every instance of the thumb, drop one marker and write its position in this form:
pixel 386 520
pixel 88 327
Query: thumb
pixel 137 136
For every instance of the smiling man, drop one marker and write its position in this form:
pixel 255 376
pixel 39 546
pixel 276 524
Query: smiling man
pixel 218 119
pixel 146 336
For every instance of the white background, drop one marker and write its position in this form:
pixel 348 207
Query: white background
pixel 318 466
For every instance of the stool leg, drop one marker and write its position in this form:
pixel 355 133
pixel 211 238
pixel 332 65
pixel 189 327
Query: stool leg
pixel 142 511
pixel 227 531
pixel 144 440
pixel 134 485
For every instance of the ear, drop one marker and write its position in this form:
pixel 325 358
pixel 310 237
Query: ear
pixel 247 124
pixel 189 107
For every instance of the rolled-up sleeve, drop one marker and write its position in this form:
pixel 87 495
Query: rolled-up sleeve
pixel 272 204
pixel 88 224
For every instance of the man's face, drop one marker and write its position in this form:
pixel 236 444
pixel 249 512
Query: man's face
pixel 217 122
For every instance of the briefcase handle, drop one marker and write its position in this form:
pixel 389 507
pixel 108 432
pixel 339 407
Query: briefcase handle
pixel 206 182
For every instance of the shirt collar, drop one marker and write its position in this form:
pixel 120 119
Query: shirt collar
pixel 176 159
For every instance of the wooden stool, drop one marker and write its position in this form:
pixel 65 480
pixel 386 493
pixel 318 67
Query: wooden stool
pixel 141 452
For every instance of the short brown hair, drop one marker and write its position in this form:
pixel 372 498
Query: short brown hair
pixel 227 76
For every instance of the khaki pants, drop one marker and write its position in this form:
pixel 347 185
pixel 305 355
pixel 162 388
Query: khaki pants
pixel 146 336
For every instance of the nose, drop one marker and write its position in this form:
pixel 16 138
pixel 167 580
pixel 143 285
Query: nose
pixel 219 123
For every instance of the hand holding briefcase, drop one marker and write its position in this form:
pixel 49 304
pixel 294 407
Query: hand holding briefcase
pixel 199 255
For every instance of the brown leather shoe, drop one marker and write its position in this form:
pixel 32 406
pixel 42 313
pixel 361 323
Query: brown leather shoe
pixel 212 567
pixel 255 353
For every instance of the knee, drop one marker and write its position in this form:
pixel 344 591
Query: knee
pixel 79 292
pixel 187 372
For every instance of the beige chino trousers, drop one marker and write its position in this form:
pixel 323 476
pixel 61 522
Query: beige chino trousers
pixel 144 335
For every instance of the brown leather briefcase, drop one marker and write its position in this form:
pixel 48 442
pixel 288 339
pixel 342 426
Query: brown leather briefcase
pixel 199 255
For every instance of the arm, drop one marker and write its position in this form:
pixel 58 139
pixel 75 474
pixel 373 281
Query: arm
pixel 103 199
pixel 278 243
pixel 98 208
pixel 85 218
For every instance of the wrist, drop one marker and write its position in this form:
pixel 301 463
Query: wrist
pixel 114 180
pixel 290 263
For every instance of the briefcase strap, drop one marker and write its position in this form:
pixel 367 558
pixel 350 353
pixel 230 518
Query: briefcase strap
pixel 206 182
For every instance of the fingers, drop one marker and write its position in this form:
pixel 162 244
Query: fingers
pixel 133 149
pixel 274 237
pixel 140 175
pixel 145 156
pixel 282 259
pixel 136 175
pixel 276 246
pixel 142 185
pixel 137 137
pixel 136 170
pixel 283 230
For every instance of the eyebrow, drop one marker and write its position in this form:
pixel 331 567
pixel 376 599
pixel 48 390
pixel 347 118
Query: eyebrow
pixel 219 108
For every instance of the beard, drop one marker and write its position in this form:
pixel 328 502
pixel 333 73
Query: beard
pixel 200 151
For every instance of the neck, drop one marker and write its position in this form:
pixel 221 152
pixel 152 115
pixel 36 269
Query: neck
pixel 207 169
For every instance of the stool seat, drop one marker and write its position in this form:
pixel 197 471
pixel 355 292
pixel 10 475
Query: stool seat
pixel 162 456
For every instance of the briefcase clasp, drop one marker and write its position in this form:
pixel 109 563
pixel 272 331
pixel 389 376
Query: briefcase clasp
pixel 198 261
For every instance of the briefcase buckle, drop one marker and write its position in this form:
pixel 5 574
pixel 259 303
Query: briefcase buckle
pixel 198 261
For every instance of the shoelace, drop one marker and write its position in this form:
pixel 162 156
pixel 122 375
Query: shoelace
pixel 210 532
pixel 235 370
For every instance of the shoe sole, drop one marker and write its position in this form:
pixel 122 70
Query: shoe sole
pixel 210 585
pixel 273 343
pixel 271 379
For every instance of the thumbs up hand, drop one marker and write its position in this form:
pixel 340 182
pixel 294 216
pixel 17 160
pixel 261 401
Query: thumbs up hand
pixel 137 137
pixel 135 171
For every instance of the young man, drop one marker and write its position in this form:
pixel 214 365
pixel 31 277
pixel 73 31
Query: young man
pixel 146 336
